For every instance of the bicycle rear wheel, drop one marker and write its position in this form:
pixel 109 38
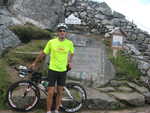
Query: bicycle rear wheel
pixel 74 97
pixel 23 96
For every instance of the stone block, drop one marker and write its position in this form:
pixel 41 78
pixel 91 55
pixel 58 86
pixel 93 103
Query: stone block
pixel 132 99
pixel 99 100
pixel 140 89
pixel 147 97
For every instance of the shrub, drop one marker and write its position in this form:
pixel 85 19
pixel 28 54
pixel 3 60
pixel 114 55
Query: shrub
pixel 29 31
pixel 125 66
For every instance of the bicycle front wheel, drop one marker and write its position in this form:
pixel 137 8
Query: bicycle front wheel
pixel 74 97
pixel 23 96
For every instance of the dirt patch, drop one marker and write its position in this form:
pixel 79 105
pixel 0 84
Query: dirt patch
pixel 13 74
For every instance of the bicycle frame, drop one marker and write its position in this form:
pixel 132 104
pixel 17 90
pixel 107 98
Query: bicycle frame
pixel 65 89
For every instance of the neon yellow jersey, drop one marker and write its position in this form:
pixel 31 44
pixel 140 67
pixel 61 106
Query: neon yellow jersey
pixel 58 51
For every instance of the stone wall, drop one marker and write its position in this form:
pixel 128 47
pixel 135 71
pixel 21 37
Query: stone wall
pixel 97 17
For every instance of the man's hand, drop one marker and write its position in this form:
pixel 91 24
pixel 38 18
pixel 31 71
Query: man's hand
pixel 38 58
pixel 69 66
pixel 32 66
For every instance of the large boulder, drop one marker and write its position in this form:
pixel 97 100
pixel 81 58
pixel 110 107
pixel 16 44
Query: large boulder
pixel 43 13
pixel 5 17
pixel 7 39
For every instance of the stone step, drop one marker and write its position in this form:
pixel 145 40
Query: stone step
pixel 100 100
pixel 113 99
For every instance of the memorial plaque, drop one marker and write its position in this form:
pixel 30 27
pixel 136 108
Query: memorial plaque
pixel 86 59
pixel 90 63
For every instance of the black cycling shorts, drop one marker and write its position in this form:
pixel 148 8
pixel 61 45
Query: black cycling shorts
pixel 56 77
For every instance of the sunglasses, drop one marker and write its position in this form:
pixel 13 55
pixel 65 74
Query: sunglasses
pixel 62 30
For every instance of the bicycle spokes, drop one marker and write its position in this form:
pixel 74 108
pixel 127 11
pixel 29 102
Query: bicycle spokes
pixel 73 99
pixel 22 96
pixel 27 90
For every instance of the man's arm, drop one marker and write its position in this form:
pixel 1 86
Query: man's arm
pixel 39 58
pixel 70 60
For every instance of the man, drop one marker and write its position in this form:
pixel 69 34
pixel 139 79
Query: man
pixel 61 51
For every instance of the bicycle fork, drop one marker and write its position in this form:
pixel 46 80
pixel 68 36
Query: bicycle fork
pixel 69 94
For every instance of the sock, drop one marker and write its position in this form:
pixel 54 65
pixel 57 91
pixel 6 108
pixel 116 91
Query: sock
pixel 56 111
pixel 49 112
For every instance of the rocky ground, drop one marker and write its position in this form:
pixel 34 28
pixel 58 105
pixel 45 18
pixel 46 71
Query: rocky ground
pixel 118 94
pixel 133 110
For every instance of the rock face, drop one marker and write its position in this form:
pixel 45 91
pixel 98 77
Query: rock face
pixel 5 17
pixel 7 39
pixel 43 13
pixel 46 12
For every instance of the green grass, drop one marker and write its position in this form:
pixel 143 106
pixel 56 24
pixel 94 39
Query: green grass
pixel 4 82
pixel 13 58
pixel 125 67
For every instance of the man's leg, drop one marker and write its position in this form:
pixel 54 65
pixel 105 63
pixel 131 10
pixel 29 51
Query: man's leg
pixel 61 81
pixel 59 96
pixel 50 98
pixel 51 89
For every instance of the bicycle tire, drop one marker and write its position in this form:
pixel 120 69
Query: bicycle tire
pixel 25 102
pixel 79 96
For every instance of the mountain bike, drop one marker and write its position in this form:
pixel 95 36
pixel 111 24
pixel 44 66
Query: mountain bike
pixel 25 95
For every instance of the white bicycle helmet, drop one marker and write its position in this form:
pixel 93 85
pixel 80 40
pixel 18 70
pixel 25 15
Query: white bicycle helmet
pixel 62 26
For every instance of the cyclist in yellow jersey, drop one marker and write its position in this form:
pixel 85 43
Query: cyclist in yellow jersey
pixel 61 51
